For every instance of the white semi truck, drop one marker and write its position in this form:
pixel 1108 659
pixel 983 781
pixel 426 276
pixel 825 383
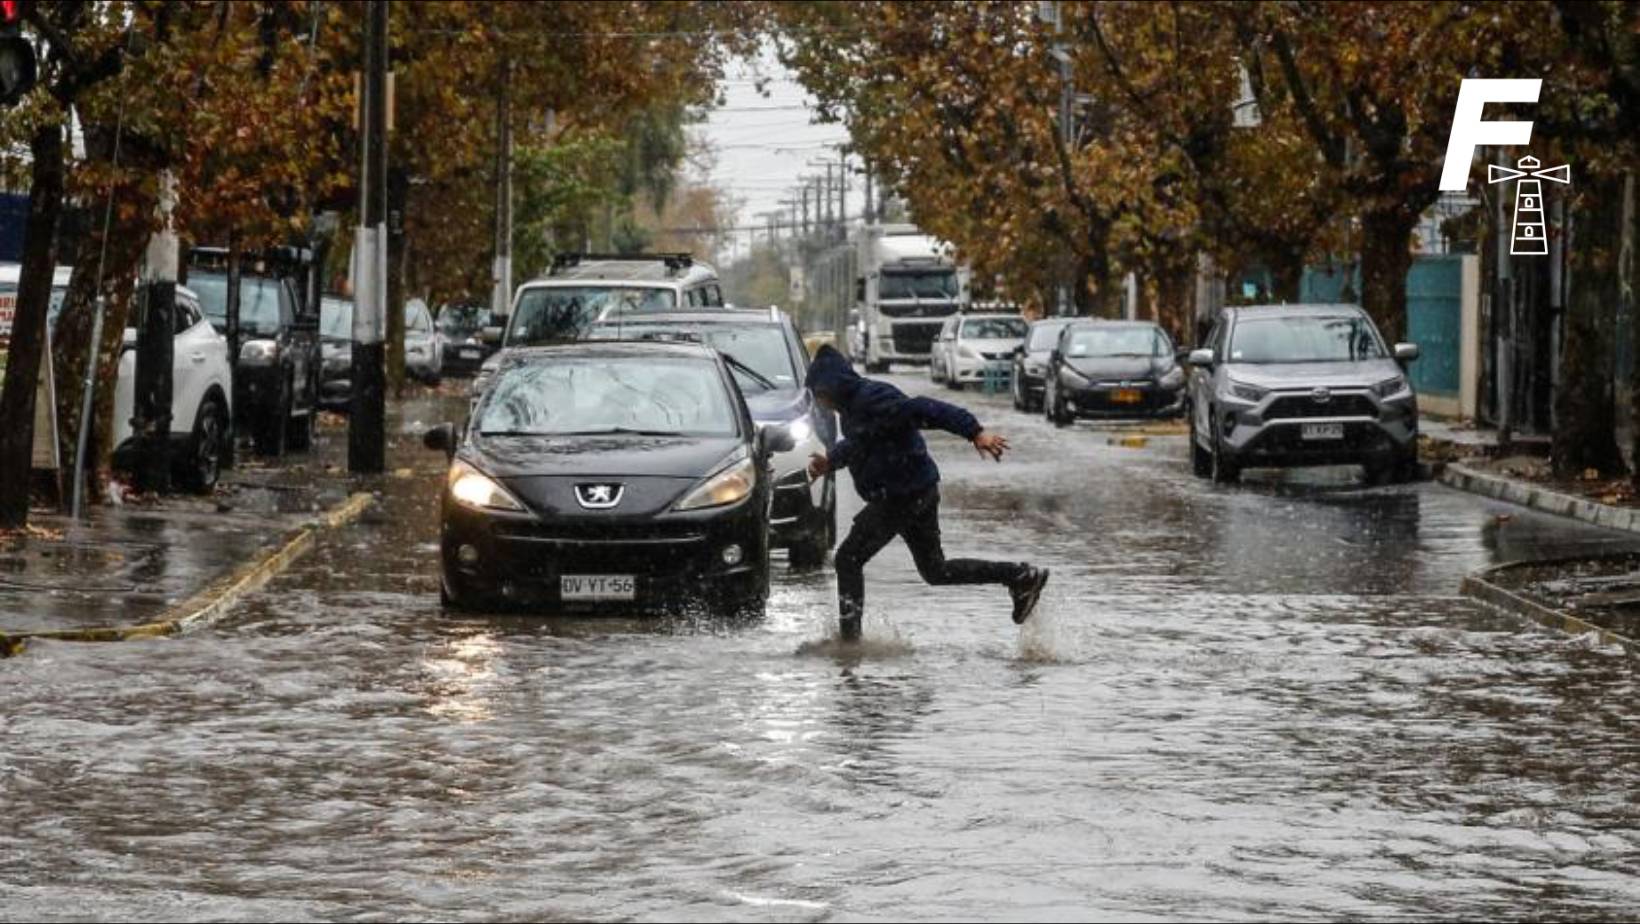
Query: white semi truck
pixel 905 288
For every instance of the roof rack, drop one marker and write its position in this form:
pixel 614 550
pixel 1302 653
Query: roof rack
pixel 674 261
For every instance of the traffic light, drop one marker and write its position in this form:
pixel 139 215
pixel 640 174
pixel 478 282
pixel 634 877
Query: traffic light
pixel 17 64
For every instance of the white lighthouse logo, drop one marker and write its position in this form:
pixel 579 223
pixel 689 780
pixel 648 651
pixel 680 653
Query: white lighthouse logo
pixel 1527 237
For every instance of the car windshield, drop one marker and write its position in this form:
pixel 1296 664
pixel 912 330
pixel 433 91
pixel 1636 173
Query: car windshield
pixel 1118 341
pixel 555 314
pixel 927 284
pixel 1044 335
pixel 258 301
pixel 583 396
pixel 760 346
pixel 336 319
pixel 416 320
pixel 993 328
pixel 1305 339
pixel 463 320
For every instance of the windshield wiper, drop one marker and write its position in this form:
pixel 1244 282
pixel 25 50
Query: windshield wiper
pixel 615 431
pixel 751 373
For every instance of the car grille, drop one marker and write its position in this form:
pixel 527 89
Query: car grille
pixel 1099 399
pixel 1289 407
pixel 644 549
pixel 915 339
pixel 997 356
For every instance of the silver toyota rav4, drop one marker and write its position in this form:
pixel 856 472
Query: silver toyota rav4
pixel 1295 385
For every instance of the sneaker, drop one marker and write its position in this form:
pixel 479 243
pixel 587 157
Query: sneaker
pixel 848 628
pixel 1026 591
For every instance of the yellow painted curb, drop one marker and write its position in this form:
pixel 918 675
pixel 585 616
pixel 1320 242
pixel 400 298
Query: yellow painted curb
pixel 1130 442
pixel 210 603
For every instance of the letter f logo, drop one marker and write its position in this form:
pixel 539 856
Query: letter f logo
pixel 1469 132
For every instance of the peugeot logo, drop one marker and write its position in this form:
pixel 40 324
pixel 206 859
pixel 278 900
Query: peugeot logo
pixel 599 496
pixel 1321 395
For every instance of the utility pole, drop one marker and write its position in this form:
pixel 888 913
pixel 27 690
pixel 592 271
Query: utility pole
pixel 156 347
pixel 366 430
pixel 871 211
pixel 805 191
pixel 501 297
pixel 842 196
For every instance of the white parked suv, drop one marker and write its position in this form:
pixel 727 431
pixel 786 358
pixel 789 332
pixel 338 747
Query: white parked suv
pixel 201 406
pixel 970 344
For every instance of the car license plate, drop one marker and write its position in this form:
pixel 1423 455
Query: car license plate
pixel 598 587
pixel 469 354
pixel 1329 431
pixel 1126 396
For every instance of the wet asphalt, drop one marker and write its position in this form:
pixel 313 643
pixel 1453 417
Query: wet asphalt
pixel 1265 701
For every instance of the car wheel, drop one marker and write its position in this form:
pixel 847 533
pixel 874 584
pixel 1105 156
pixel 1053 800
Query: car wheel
pixel 1220 467
pixel 951 380
pixel 1017 391
pixel 1201 461
pixel 271 430
pixel 1058 412
pixel 202 463
pixel 1402 470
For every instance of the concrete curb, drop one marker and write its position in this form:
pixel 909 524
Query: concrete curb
pixel 212 602
pixel 1538 498
pixel 1480 586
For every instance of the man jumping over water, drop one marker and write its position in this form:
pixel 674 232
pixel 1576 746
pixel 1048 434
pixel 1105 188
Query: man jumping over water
pixel 884 451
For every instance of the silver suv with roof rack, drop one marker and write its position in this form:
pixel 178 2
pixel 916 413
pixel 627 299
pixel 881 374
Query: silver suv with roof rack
pixel 582 289
pixel 1290 385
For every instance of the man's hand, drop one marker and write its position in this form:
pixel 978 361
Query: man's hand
pixel 990 444
pixel 819 465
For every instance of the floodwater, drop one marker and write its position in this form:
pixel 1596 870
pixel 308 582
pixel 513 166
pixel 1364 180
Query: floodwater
pixel 1249 703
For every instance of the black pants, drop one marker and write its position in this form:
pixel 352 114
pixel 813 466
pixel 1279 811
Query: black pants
pixel 917 520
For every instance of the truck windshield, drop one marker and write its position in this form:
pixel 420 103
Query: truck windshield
pixel 940 284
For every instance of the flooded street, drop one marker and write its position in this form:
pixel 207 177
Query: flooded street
pixel 1243 703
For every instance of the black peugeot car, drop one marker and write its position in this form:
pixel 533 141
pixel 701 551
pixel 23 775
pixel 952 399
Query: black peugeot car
pixel 1113 369
pixel 599 475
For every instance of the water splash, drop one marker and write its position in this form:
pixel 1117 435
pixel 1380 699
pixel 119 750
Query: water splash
pixel 1045 638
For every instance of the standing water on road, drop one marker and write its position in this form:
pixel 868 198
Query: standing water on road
pixel 1233 703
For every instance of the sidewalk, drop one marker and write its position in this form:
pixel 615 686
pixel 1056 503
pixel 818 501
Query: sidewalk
pixel 153 566
pixel 1596 595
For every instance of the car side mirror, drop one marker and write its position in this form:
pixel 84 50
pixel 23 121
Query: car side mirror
pixel 490 335
pixel 441 437
pixel 1019 350
pixel 1201 359
pixel 776 439
pixel 1406 352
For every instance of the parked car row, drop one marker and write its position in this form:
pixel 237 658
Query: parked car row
pixel 1272 386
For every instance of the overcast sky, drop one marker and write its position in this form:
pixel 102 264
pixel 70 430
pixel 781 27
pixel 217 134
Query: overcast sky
pixel 764 143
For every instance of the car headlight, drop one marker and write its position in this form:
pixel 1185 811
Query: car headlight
pixel 968 352
pixel 1034 369
pixel 481 381
pixel 1173 379
pixel 259 352
pixel 417 350
pixel 472 488
pixel 1248 392
pixel 800 429
pixel 1390 387
pixel 726 487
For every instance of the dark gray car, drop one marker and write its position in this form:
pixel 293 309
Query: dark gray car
pixel 1297 385
pixel 1031 363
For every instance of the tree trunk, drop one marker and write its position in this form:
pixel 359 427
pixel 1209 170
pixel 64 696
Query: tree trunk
pixel 1585 431
pixel 29 325
pixel 1386 257
pixel 1286 274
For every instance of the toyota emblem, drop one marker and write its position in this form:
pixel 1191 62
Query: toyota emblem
pixel 1321 395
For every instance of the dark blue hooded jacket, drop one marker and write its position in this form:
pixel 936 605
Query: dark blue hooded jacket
pixel 881 446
